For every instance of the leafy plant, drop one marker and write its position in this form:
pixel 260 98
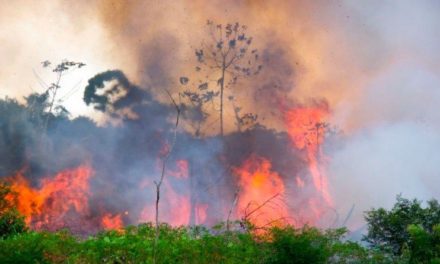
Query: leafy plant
pixel 388 229
pixel 11 221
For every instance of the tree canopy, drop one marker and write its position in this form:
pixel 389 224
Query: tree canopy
pixel 407 227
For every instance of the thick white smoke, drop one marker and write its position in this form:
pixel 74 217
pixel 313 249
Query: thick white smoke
pixel 393 142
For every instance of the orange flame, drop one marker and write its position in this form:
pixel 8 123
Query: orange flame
pixel 176 204
pixel 306 128
pixel 179 206
pixel 260 192
pixel 50 204
pixel 110 221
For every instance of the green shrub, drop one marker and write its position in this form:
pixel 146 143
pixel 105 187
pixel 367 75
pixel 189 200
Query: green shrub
pixel 302 246
pixel 135 244
pixel 11 221
pixel 37 247
pixel 388 229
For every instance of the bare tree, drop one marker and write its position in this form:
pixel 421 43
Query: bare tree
pixel 246 221
pixel 162 176
pixel 234 203
pixel 195 111
pixel 246 120
pixel 60 70
pixel 224 58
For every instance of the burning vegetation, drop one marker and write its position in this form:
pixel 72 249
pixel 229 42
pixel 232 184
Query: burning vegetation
pixel 233 137
pixel 142 165
pixel 104 176
pixel 78 199
pixel 60 201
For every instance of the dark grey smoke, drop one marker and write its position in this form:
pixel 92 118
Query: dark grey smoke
pixel 127 155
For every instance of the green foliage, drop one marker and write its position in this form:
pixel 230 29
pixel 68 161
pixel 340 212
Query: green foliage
pixel 307 245
pixel 407 230
pixel 185 245
pixel 420 242
pixel 11 221
pixel 38 247
pixel 424 246
pixel 5 191
pixel 176 245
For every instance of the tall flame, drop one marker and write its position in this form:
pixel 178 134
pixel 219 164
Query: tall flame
pixel 306 127
pixel 175 202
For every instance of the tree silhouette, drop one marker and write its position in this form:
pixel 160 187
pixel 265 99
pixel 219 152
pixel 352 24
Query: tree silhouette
pixel 223 59
pixel 60 70
pixel 245 120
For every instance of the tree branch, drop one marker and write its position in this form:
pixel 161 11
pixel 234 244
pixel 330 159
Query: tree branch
pixel 162 176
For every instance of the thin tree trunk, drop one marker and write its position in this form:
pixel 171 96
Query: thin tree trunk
pixel 234 204
pixel 318 160
pixel 222 86
pixel 53 101
pixel 193 199
pixel 162 176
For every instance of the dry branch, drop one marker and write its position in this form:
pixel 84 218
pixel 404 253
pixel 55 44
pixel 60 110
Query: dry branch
pixel 164 163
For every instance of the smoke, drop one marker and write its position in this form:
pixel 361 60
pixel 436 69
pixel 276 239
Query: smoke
pixel 374 166
pixel 374 63
pixel 126 159
pixel 391 125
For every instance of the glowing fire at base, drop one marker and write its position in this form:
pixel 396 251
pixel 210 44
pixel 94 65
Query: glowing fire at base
pixel 63 200
pixel 57 198
pixel 175 206
pixel 261 191
pixel 112 221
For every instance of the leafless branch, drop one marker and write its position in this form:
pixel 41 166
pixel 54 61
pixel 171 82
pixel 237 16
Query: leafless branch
pixel 234 203
pixel 162 176
pixel 262 205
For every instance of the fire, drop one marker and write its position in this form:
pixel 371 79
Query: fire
pixel 306 127
pixel 174 208
pixel 201 214
pixel 175 205
pixel 57 198
pixel 178 202
pixel 110 221
pixel 260 192
pixel 179 206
